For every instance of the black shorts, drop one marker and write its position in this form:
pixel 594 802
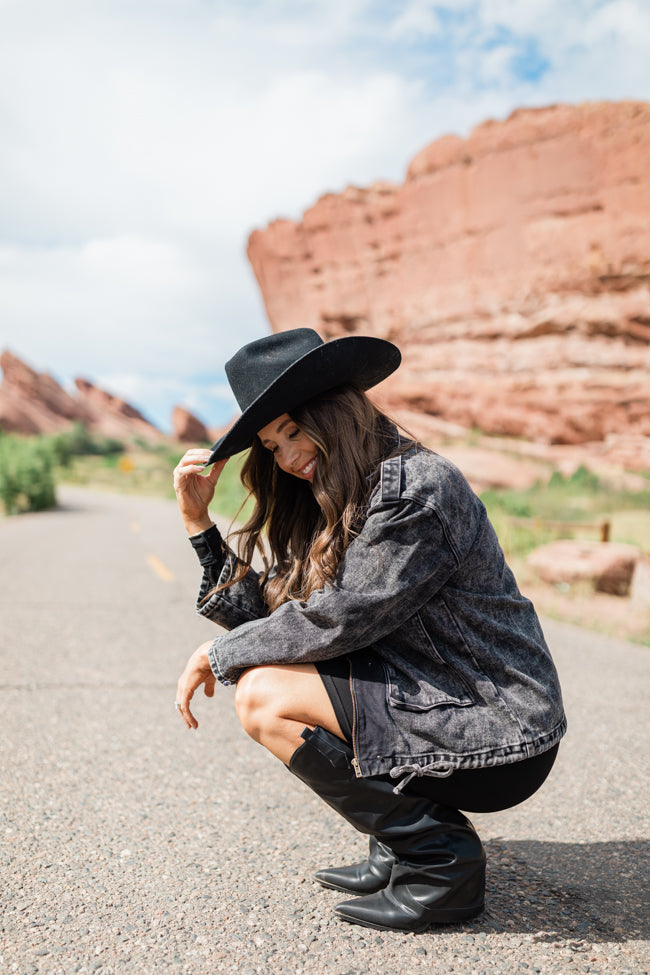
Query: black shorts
pixel 473 790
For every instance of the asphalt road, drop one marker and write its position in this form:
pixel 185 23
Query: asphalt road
pixel 130 844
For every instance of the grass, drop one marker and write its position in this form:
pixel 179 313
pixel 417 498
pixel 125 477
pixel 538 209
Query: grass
pixel 149 471
pixel 574 507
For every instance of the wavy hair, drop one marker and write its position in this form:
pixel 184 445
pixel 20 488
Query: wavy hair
pixel 307 526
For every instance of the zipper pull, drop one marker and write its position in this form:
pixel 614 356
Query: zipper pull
pixel 357 768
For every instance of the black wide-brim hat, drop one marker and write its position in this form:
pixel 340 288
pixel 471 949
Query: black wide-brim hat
pixel 280 372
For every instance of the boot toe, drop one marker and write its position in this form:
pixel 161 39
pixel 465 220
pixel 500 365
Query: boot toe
pixel 330 879
pixel 365 877
pixel 387 912
pixel 380 912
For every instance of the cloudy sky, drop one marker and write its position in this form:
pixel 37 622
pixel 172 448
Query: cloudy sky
pixel 142 140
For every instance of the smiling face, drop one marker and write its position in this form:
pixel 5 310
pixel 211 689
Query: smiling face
pixel 294 452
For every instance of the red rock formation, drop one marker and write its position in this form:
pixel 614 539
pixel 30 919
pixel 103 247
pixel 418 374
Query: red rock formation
pixel 512 268
pixel 188 428
pixel 114 417
pixel 32 402
pixel 608 566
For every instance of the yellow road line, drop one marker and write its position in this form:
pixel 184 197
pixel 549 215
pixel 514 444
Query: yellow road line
pixel 160 568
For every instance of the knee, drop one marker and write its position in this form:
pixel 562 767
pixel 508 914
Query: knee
pixel 254 701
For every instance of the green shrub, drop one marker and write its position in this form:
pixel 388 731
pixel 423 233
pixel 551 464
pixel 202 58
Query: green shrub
pixel 26 474
pixel 80 442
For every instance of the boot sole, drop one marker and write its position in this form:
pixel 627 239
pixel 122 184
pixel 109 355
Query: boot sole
pixel 441 917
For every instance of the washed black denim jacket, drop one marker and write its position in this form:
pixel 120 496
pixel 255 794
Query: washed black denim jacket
pixel 448 663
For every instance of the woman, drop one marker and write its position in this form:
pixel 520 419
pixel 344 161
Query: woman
pixel 386 656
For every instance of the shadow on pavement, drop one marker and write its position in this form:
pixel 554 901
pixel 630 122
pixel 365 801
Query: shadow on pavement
pixel 593 891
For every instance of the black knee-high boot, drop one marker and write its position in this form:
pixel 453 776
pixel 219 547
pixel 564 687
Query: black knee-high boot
pixel 439 873
pixel 366 877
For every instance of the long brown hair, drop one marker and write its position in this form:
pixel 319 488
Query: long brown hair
pixel 308 526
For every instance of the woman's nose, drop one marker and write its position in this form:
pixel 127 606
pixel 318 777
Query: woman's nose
pixel 292 454
pixel 288 455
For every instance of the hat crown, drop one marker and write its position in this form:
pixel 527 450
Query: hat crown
pixel 257 365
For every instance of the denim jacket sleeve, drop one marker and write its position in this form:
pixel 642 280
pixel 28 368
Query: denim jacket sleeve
pixel 404 554
pixel 238 603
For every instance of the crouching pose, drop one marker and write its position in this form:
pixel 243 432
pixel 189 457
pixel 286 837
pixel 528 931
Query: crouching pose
pixel 384 653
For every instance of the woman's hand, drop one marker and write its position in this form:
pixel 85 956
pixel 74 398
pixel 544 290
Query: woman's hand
pixel 195 489
pixel 197 671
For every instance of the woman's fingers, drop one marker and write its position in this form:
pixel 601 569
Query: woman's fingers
pixel 197 671
pixel 196 454
pixel 216 469
pixel 184 695
pixel 193 463
pixel 187 717
pixel 194 488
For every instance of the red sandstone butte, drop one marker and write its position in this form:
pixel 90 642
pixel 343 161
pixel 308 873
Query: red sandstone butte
pixel 187 427
pixel 33 402
pixel 114 417
pixel 609 566
pixel 512 268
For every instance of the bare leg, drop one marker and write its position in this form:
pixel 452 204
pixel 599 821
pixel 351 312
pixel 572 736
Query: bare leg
pixel 274 704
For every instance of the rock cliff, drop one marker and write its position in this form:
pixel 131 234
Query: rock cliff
pixel 188 428
pixel 512 268
pixel 32 402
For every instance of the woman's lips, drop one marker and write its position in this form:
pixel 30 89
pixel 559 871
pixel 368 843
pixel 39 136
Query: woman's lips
pixel 308 469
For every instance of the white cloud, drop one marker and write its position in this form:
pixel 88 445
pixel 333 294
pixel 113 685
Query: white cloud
pixel 142 142
pixel 138 263
pixel 417 19
pixel 620 21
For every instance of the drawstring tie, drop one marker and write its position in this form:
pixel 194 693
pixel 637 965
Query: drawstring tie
pixel 439 770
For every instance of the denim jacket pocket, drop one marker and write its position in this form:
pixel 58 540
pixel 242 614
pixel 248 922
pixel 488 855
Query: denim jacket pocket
pixel 422 680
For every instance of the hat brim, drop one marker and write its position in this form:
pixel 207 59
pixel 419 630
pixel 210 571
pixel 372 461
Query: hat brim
pixel 361 360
